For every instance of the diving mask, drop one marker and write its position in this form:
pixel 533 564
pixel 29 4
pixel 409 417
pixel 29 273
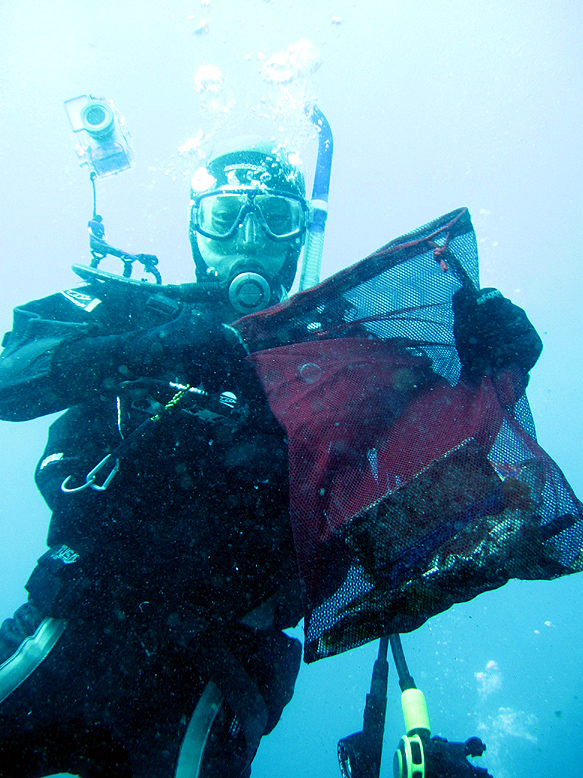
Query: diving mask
pixel 218 214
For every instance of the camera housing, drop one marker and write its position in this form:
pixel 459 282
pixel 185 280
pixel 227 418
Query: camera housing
pixel 102 136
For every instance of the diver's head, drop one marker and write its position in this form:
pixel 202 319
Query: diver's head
pixel 248 219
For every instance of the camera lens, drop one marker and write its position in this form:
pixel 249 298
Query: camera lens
pixel 97 119
pixel 95 115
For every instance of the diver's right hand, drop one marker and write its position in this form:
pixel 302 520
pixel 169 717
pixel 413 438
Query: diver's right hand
pixel 194 345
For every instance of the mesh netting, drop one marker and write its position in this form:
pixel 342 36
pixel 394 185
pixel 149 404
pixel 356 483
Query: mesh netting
pixel 409 489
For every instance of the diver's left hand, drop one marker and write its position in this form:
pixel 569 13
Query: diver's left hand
pixel 491 333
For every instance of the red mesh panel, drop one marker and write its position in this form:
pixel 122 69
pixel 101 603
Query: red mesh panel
pixel 409 489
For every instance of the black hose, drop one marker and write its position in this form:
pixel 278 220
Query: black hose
pixel 359 754
pixel 405 678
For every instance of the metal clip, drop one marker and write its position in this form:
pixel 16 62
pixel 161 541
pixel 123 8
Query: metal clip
pixel 91 476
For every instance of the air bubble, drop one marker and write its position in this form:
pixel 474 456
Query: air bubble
pixel 299 60
pixel 310 372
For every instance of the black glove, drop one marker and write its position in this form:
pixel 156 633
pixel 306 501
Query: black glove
pixel 193 345
pixel 491 333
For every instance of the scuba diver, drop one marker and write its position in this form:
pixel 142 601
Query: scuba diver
pixel 151 644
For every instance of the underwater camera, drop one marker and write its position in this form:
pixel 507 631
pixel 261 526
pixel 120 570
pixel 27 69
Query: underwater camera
pixel 102 135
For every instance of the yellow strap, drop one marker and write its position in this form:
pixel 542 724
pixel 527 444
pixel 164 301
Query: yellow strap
pixel 171 403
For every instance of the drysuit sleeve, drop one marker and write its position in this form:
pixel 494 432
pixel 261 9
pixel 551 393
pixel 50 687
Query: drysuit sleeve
pixel 26 386
pixel 50 365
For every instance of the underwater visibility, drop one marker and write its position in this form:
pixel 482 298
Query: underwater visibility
pixel 290 433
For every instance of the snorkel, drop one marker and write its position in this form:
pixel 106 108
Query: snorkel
pixel 314 246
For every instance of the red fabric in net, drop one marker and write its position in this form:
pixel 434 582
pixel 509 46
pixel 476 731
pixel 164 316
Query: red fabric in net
pixel 340 399
pixel 410 489
pixel 326 395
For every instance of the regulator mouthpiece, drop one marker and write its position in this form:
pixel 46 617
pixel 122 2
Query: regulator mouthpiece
pixel 249 292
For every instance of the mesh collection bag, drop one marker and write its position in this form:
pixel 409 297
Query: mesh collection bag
pixel 410 489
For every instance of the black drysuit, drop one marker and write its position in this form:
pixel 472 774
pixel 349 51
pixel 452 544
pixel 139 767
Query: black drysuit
pixel 151 645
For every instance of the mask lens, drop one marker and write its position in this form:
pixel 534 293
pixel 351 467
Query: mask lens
pixel 283 215
pixel 219 214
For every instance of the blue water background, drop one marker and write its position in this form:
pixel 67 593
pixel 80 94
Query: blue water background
pixel 434 105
